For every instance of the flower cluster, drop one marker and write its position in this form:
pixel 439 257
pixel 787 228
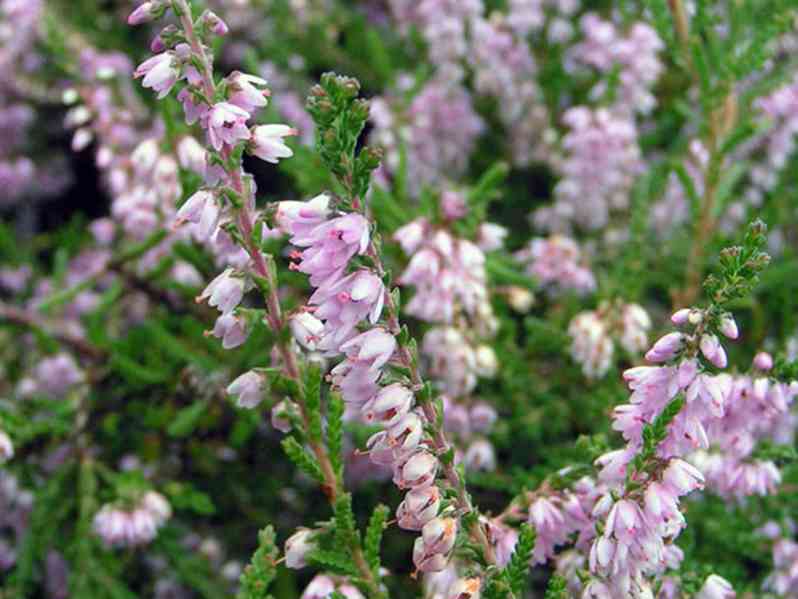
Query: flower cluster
pixel 602 160
pixel 558 264
pixel 595 332
pixel 121 526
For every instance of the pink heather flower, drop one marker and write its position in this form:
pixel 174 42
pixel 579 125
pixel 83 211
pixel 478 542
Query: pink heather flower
pixel 591 344
pixel 357 376
pixel 201 209
pixel 490 237
pixel 431 550
pixel 231 329
pixel 224 292
pixel 267 142
pixel 405 435
pixel 194 108
pixel 411 235
pixel 728 327
pixel 227 125
pixel 453 205
pixel 145 13
pixel 635 324
pixel 597 590
pixel 248 92
pixel 682 477
pixel 550 525
pixel 6 447
pixel 480 456
pixel 763 361
pixel 157 505
pixel 57 374
pixel 344 304
pixel 297 548
pixel 416 471
pixel 716 587
pixel 160 73
pixel 713 350
pixel 300 218
pixel 330 246
pixel 307 329
pixel 681 317
pixel 666 348
pixel 389 405
pixel 428 562
pixel 558 262
pixel 214 24
pixel 419 507
pixel 248 389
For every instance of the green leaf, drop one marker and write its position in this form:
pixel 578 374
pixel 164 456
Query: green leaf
pixel 302 459
pixel 346 533
pixel 260 572
pixel 374 537
pixel 312 394
pixel 518 567
pixel 335 432
pixel 187 420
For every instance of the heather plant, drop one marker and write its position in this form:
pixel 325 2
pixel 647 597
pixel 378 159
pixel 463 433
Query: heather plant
pixel 398 299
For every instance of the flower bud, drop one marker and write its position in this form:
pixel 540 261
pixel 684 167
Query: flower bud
pixel 419 507
pixel 716 587
pixel 146 12
pixel 281 415
pixel 681 317
pixel 713 350
pixel 297 548
pixel 665 348
pixel 214 24
pixel 439 534
pixel 763 361
pixel 682 477
pixel 480 456
pixel 418 470
pixel 728 327
pixel 6 447
pixel 428 562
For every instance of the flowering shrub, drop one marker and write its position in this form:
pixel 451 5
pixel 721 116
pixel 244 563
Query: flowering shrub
pixel 506 309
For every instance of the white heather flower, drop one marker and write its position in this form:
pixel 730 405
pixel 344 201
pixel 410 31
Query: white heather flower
pixel 160 73
pixel 716 587
pixel 267 142
pixel 224 292
pixel 297 548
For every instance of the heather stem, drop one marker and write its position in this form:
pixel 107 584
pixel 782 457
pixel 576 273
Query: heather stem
pixel 440 442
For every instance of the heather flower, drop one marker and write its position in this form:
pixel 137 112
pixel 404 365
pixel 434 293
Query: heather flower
pixel 224 292
pixel 214 24
pixel 763 361
pixel 419 507
pixel 231 329
pixel 226 125
pixel 160 73
pixel 716 587
pixel 389 405
pixel 713 350
pixel 417 470
pixel 145 13
pixel 299 218
pixel 297 548
pixel 267 142
pixel 307 329
pixel 558 263
pixel 248 389
pixel 591 345
pixel 57 374
pixel 666 348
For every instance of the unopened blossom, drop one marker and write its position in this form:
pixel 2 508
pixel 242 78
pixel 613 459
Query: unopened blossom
pixel 666 348
pixel 713 350
pixel 160 73
pixel 247 389
pixel 389 405
pixel 227 125
pixel 635 324
pixel 297 547
pixel 203 210
pixel 716 587
pixel 432 549
pixel 480 456
pixel 763 361
pixel 146 12
pixel 299 218
pixel 267 142
pixel 214 24
pixel 405 434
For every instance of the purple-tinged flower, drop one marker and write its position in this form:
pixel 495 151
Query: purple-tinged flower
pixel 267 142
pixel 282 414
pixel 201 209
pixel 157 505
pixel 224 292
pixel 366 354
pixel 416 471
pixel 57 374
pixel 680 317
pixel 716 587
pixel 713 350
pixel 405 435
pixel 248 92
pixel 146 12
pixel 597 590
pixel 226 124
pixel 480 456
pixel 231 329
pixel 248 389
pixel 214 24
pixel 419 507
pixel 682 477
pixel 389 405
pixel 297 548
pixel 160 73
pixel 307 329
pixel 345 303
pixel 195 108
pixel 300 218
pixel 728 327
pixel 321 587
pixel 763 361
pixel 666 348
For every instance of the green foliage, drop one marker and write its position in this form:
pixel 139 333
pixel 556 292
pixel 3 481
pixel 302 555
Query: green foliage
pixel 655 432
pixel 302 459
pixel 260 572
pixel 335 432
pixel 557 588
pixel 740 267
pixel 373 539
pixel 512 580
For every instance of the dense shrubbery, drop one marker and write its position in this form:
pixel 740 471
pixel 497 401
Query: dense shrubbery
pixel 505 309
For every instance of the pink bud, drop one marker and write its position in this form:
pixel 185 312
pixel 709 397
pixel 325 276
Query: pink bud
pixel 418 470
pixel 214 23
pixel 728 327
pixel 680 316
pixel 713 350
pixel 248 388
pixel 144 13
pixel 665 348
pixel 439 535
pixel 419 507
pixel 389 405
pixel 763 361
